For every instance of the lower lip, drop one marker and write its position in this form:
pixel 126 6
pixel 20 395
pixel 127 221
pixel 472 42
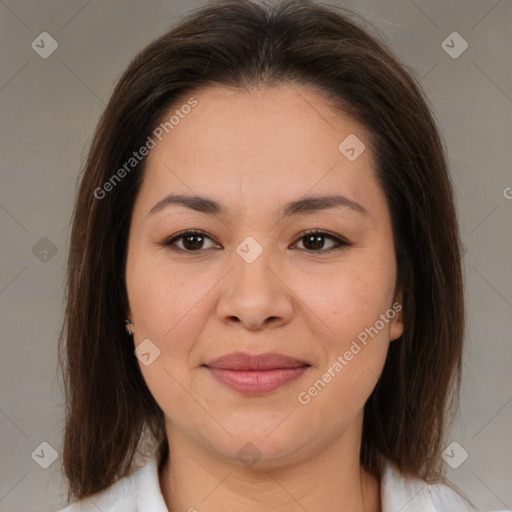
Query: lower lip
pixel 258 381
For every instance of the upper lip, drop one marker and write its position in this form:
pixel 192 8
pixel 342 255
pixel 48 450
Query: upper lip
pixel 244 361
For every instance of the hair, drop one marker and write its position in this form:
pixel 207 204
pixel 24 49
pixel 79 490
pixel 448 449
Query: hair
pixel 242 44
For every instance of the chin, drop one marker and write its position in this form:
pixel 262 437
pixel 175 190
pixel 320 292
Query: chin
pixel 261 443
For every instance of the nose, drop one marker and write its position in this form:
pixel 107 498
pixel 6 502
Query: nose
pixel 255 296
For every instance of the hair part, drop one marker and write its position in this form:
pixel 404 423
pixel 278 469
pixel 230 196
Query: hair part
pixel 244 44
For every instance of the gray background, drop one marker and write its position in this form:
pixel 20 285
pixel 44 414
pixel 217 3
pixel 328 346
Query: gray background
pixel 49 108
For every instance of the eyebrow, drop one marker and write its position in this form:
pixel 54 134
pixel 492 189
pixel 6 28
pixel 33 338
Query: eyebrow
pixel 298 207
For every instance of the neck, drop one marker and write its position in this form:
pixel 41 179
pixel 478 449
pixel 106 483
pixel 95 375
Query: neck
pixel 194 478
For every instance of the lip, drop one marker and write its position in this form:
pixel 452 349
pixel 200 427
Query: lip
pixel 256 374
pixel 251 362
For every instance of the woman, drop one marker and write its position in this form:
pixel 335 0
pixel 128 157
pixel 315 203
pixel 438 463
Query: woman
pixel 265 295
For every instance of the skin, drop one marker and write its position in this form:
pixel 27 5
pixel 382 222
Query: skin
pixel 253 151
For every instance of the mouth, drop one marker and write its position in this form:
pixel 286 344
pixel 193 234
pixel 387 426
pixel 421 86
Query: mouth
pixel 256 374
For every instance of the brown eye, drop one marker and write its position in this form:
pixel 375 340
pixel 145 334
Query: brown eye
pixel 191 241
pixel 194 241
pixel 314 241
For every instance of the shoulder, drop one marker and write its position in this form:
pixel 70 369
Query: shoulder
pixel 117 497
pixel 446 499
pixel 120 496
pixel 138 492
pixel 415 495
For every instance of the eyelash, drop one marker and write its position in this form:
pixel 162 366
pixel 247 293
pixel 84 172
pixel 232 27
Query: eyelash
pixel 340 242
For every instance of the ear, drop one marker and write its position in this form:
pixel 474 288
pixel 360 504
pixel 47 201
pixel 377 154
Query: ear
pixel 128 314
pixel 397 324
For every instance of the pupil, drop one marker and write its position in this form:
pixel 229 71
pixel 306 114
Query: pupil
pixel 316 241
pixel 199 240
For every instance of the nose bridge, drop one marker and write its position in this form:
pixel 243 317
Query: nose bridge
pixel 253 279
pixel 253 293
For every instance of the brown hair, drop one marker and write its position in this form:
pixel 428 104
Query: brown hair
pixel 241 44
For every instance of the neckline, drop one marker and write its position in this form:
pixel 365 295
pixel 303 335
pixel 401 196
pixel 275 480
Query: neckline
pixel 396 491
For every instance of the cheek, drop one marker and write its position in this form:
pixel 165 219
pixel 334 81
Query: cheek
pixel 162 297
pixel 170 309
pixel 354 305
pixel 352 297
pixel 354 346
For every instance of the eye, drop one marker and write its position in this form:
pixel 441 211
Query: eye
pixel 314 241
pixel 192 241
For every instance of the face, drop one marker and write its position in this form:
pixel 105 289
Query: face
pixel 255 278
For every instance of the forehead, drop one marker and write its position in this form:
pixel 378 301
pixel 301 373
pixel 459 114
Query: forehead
pixel 263 143
pixel 262 117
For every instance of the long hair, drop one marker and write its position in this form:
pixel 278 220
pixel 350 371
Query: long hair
pixel 239 44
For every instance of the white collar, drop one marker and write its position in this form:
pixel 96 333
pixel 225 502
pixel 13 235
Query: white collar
pixel 398 493
pixel 149 494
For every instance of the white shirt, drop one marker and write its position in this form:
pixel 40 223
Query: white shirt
pixel 140 492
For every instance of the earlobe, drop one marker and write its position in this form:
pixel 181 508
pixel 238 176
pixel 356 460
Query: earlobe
pixel 397 328
pixel 129 326
pixel 128 323
pixel 397 324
